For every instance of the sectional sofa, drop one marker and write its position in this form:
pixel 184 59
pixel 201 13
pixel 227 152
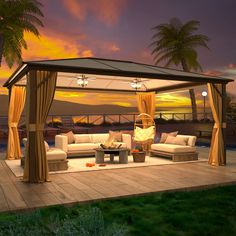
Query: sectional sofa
pixel 85 144
pixel 179 148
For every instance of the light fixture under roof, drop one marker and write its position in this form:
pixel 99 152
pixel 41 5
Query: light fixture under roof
pixel 136 84
pixel 82 81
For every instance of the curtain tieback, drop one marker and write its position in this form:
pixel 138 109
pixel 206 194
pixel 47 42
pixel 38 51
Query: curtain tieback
pixel 13 125
pixel 219 125
pixel 36 127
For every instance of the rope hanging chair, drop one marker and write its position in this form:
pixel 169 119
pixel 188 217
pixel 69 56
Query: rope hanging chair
pixel 144 130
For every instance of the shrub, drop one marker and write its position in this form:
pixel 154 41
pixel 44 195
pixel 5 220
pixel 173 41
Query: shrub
pixel 85 223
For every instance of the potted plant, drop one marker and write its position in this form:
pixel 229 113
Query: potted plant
pixel 138 154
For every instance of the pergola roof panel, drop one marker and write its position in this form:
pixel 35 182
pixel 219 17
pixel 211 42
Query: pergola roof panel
pixel 85 63
pixel 113 75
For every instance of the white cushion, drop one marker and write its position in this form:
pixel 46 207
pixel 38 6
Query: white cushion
pixel 82 138
pixel 144 134
pixel 191 139
pixel 177 140
pixel 82 146
pixel 172 148
pixel 56 154
pixel 45 143
pixel 46 146
pixel 100 138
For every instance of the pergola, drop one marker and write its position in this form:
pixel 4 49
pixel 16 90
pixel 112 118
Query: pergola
pixel 42 78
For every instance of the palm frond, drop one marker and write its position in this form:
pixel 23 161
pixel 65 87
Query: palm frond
pixel 175 42
pixel 17 17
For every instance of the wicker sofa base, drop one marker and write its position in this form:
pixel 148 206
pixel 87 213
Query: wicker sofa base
pixel 58 165
pixel 88 153
pixel 53 165
pixel 186 156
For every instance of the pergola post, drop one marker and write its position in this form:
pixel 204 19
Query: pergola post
pixel 31 116
pixel 9 95
pixel 41 87
pixel 224 118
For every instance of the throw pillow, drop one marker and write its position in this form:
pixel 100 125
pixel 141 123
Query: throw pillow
pixel 70 137
pixel 141 135
pixel 82 138
pixel 177 140
pixel 165 135
pixel 115 136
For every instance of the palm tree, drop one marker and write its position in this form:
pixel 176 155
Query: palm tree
pixel 17 17
pixel 175 43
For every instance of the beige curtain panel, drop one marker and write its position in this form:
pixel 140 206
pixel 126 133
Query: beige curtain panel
pixel 41 87
pixel 146 103
pixel 217 150
pixel 17 102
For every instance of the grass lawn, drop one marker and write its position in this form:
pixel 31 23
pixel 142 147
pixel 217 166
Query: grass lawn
pixel 208 212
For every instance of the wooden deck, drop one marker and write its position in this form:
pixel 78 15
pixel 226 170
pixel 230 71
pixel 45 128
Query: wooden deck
pixel 81 187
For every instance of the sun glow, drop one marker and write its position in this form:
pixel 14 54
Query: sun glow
pixel 122 104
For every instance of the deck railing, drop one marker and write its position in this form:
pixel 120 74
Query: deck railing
pixel 99 119
pixel 103 119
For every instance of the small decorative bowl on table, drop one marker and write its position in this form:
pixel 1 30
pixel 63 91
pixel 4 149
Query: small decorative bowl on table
pixel 138 154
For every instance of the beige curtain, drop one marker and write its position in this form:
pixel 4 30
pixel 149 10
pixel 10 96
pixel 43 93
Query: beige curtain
pixel 41 87
pixel 217 150
pixel 17 102
pixel 146 103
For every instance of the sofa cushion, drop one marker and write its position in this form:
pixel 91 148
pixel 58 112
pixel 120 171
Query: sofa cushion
pixel 55 154
pixel 83 138
pixel 116 136
pixel 82 146
pixel 165 135
pixel 45 143
pixel 99 138
pixel 191 139
pixel 70 137
pixel 172 148
pixel 178 140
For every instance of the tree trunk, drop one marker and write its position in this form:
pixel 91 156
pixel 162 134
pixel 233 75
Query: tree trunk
pixel 193 103
pixel 1 48
pixel 191 93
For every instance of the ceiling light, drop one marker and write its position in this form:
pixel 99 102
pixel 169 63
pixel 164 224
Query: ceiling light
pixel 82 81
pixel 136 84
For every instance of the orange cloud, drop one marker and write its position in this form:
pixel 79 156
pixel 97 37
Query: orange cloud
pixel 3 91
pixel 231 66
pixel 173 100
pixel 114 48
pixel 123 104
pixel 87 53
pixel 107 11
pixel 5 72
pixel 52 47
pixel 63 94
pixel 107 47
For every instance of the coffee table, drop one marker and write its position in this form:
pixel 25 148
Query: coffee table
pixel 121 152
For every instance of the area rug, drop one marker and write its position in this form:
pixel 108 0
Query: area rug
pixel 79 164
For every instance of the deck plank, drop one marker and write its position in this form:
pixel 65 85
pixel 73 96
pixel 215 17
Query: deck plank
pixel 71 188
pixel 3 202
pixel 13 197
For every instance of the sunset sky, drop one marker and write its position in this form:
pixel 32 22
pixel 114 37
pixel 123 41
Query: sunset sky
pixel 121 29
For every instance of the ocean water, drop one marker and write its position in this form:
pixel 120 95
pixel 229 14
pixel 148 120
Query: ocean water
pixel 181 109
